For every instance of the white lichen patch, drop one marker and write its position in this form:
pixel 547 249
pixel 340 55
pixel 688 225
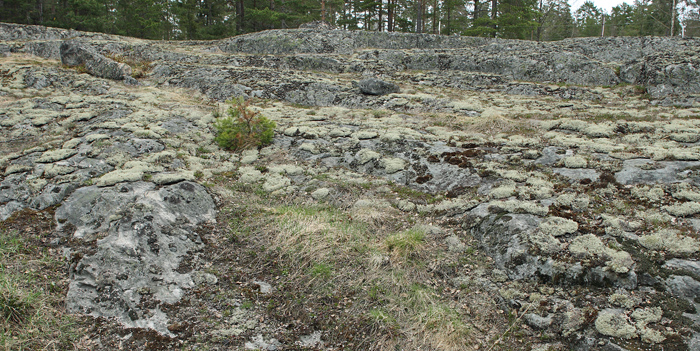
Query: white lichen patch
pixel 622 300
pixel 119 176
pixel 11 169
pixel 275 181
pixel 169 178
pixel 505 190
pixel 249 175
pixel 652 194
pixel 557 226
pixel 56 155
pixel 616 324
pixel 515 175
pixel 577 202
pixel 366 155
pixel 393 164
pixel 684 191
pixel 590 245
pixel 575 162
pixel 671 241
pixel 546 243
pixel 645 316
pixel 683 209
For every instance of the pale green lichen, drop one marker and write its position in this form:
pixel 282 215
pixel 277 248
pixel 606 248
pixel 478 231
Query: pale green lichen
pixel 683 209
pixel 249 175
pixel 622 300
pixel 169 178
pixel 366 155
pixel 590 245
pixel 56 155
pixel 275 181
pixel 393 164
pixel 575 162
pixel 615 324
pixel 577 202
pixel 684 191
pixel 544 242
pixel 557 226
pixel 119 176
pixel 505 190
pixel 654 194
pixel 669 240
pixel 517 206
pixel 645 316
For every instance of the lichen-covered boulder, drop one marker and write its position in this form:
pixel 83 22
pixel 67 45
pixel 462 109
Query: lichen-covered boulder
pixel 75 53
pixel 143 234
pixel 373 86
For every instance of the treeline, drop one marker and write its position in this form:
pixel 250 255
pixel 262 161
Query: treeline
pixel 212 19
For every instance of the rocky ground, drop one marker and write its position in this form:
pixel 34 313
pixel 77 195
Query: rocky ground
pixel 508 196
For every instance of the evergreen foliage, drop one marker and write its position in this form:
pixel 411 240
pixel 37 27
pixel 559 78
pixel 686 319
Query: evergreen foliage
pixel 213 19
pixel 243 128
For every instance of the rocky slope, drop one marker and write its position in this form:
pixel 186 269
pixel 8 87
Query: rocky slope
pixel 509 195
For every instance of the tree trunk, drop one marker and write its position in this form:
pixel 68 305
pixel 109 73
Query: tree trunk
pixel 494 15
pixel 241 16
pixel 419 17
pixel 390 16
pixel 380 25
pixel 435 20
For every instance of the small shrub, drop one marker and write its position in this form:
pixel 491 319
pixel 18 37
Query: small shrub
pixel 243 128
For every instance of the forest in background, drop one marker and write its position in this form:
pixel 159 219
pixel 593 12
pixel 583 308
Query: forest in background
pixel 541 20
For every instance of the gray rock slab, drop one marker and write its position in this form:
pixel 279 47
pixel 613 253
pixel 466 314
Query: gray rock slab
pixel 646 171
pixel 134 270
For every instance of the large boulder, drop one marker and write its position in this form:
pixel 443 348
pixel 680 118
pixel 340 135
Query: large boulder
pixel 143 234
pixel 373 86
pixel 77 53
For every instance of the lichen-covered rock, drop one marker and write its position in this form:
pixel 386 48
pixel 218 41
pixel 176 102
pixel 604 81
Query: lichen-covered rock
pixel 135 267
pixel 74 53
pixel 373 86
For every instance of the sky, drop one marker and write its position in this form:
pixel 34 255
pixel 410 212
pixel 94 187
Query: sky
pixel 606 5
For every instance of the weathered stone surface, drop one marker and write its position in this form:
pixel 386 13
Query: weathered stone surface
pixel 543 191
pixel 148 233
pixel 373 86
pixel 75 53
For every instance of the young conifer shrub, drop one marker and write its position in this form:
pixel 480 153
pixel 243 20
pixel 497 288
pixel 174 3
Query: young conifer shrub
pixel 243 128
